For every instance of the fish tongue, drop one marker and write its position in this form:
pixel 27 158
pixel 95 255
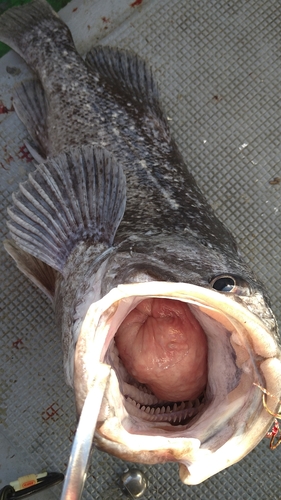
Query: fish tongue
pixel 162 345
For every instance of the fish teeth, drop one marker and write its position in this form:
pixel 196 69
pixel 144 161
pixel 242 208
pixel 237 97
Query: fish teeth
pixel 174 413
pixel 139 394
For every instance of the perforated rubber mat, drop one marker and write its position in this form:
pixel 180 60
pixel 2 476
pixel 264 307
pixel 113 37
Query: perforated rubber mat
pixel 219 71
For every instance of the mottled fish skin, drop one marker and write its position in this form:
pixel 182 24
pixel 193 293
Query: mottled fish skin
pixel 87 103
pixel 102 117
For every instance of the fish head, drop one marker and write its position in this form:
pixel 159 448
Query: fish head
pixel 206 433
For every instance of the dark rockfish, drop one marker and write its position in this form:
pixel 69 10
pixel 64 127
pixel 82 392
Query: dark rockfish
pixel 156 289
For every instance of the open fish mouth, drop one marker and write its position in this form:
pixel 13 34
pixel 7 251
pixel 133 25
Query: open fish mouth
pixel 206 434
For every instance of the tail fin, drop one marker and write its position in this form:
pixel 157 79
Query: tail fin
pixel 23 27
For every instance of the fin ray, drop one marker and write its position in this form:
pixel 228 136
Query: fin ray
pixel 31 107
pixel 128 74
pixel 21 211
pixel 23 204
pixel 78 195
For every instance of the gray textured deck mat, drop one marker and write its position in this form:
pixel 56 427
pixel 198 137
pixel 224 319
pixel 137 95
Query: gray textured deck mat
pixel 218 67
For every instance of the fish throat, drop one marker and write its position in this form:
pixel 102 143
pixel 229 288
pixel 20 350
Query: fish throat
pixel 163 350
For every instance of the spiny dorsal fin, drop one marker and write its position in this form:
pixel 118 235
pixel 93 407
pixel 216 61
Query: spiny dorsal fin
pixel 76 196
pixel 30 105
pixel 37 271
pixel 128 75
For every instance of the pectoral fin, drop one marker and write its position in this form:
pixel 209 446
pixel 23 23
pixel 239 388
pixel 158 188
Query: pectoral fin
pixel 76 196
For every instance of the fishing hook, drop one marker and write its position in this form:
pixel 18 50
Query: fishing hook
pixel 275 433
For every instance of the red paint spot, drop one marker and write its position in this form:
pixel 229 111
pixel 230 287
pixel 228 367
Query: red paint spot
pixel 105 19
pixel 53 412
pixel 75 9
pixel 24 154
pixel 8 158
pixel 3 109
pixel 136 3
pixel 18 343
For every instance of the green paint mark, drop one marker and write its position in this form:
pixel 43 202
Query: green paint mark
pixel 7 4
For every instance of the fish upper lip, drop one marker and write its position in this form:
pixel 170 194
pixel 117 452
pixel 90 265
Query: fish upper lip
pixel 218 434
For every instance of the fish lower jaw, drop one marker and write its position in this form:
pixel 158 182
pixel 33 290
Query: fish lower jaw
pixel 213 433
pixel 205 435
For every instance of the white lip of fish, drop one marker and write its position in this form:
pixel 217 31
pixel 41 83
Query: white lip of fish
pixel 231 424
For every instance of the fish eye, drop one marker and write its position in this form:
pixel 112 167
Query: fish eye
pixel 230 284
pixel 223 283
